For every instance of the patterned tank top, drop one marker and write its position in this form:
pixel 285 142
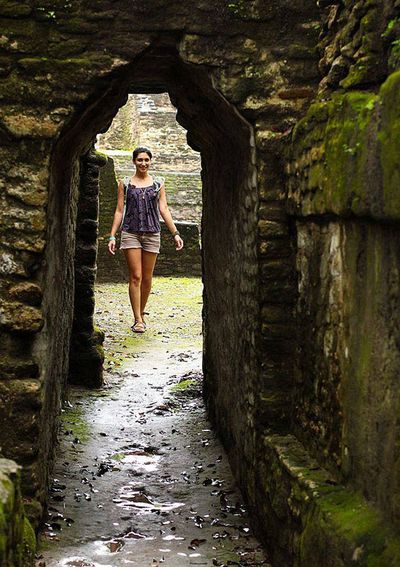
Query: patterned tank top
pixel 142 210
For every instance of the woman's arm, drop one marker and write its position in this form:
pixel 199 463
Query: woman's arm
pixel 119 211
pixel 166 215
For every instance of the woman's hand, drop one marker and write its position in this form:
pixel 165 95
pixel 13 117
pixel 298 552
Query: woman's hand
pixel 112 246
pixel 178 242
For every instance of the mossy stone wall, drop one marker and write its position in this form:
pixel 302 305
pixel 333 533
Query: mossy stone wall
pixel 345 156
pixel 347 392
pixel 66 68
pixel 241 75
pixel 17 538
pixel 343 195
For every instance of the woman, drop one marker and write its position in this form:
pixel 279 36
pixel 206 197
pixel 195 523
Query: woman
pixel 144 199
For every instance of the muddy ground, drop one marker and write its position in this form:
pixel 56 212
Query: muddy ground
pixel 140 477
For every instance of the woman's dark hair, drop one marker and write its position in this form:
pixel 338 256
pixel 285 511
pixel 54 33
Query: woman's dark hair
pixel 140 150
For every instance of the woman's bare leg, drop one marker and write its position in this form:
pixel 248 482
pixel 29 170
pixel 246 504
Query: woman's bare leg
pixel 133 258
pixel 148 263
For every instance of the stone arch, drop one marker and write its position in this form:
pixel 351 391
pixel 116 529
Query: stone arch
pixel 63 62
pixel 229 226
pixel 229 72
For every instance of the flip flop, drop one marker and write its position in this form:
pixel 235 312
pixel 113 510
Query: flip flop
pixel 138 327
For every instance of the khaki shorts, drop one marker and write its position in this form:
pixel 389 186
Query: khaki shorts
pixel 148 241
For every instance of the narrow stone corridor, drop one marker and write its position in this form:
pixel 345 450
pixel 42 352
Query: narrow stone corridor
pixel 140 478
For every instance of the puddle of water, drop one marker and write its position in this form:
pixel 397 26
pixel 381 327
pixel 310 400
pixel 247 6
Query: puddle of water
pixel 135 535
pixel 173 537
pixel 138 499
pixel 142 460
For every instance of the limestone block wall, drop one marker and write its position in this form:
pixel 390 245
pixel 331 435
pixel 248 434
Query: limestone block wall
pixel 86 354
pixel 149 120
pixel 159 130
pixel 300 355
pixel 344 197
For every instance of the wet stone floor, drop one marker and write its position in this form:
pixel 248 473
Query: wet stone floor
pixel 140 478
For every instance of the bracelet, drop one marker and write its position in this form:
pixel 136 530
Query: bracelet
pixel 176 233
pixel 111 238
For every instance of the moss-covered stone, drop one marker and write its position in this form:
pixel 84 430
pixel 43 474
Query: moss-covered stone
pixel 27 292
pixel 389 138
pixel 17 538
pixel 15 9
pixel 340 147
pixel 19 317
pixel 316 520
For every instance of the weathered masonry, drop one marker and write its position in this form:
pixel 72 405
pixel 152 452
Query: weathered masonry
pixel 295 110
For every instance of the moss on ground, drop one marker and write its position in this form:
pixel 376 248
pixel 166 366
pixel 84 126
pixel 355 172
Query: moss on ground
pixel 174 308
pixel 183 385
pixel 73 420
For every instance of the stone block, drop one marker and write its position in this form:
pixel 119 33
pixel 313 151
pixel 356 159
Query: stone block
pixel 86 358
pixel 275 313
pixel 85 275
pixel 85 254
pixel 273 410
pixel 26 292
pixel 281 248
pixel 84 303
pixel 278 330
pixel 275 270
pixel 87 230
pixel 20 394
pixel 17 316
pixel 30 126
pixel 14 9
pixel 88 208
pixel 359 141
pixel 311 518
pixel 11 367
pixel 274 211
pixel 278 291
pixel 277 345
pixel 272 229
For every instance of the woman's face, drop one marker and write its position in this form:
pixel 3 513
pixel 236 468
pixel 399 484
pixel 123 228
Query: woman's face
pixel 142 162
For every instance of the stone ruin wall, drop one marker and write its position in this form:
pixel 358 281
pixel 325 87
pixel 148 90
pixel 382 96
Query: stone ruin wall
pixel 310 416
pixel 344 196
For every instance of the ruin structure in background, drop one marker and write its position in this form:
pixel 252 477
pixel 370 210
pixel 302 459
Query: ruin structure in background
pixel 295 110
